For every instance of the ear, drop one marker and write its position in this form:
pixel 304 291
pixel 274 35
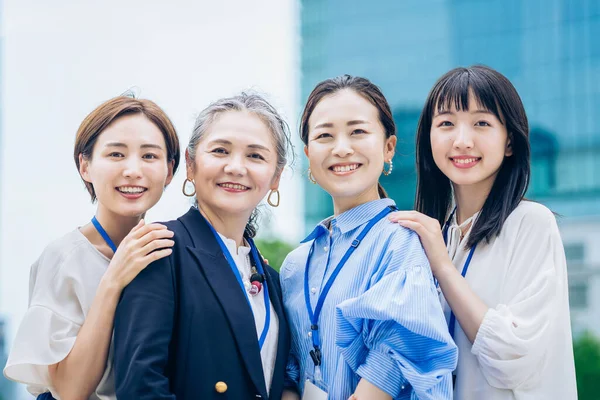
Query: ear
pixel 84 166
pixel 306 151
pixel 276 180
pixel 189 166
pixel 170 165
pixel 509 150
pixel 390 147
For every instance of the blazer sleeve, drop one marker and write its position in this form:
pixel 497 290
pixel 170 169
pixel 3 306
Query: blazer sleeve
pixel 144 323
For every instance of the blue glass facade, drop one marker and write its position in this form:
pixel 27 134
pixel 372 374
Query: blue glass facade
pixel 548 48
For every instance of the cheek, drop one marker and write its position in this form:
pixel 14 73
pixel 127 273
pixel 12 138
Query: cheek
pixel 439 146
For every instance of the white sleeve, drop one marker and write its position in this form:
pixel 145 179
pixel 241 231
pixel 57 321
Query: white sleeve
pixel 48 331
pixel 514 337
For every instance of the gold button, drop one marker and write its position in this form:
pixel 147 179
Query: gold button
pixel 221 387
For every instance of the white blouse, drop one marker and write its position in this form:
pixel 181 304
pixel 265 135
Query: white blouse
pixel 523 349
pixel 241 256
pixel 62 286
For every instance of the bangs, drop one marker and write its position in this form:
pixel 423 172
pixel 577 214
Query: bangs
pixel 453 93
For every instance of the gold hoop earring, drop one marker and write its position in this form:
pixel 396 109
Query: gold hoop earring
pixel 311 178
pixel 271 203
pixel 184 186
pixel 389 171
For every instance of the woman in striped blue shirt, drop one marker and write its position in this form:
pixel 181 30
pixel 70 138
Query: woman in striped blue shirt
pixel 365 316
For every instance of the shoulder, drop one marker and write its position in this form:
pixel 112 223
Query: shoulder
pixel 72 248
pixel 395 237
pixel 531 217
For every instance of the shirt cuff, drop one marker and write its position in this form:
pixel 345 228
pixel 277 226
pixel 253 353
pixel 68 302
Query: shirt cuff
pixel 382 371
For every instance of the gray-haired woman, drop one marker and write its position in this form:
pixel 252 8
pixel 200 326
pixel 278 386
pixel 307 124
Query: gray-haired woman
pixel 207 321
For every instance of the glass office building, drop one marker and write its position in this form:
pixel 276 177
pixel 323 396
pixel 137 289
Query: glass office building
pixel 549 49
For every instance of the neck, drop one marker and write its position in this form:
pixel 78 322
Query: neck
pixel 116 226
pixel 228 225
pixel 470 199
pixel 342 204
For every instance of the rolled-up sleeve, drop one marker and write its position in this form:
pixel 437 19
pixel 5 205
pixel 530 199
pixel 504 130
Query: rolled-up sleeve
pixel 394 334
pixel 514 337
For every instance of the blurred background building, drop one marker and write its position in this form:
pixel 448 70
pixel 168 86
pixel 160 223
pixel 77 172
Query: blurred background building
pixel 60 59
pixel 549 49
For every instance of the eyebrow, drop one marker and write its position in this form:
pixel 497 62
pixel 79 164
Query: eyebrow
pixel 252 146
pixel 479 111
pixel 144 146
pixel 349 123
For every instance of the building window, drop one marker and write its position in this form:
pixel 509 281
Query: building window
pixel 578 294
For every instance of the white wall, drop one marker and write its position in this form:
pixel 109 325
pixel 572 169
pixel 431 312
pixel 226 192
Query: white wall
pixel 62 58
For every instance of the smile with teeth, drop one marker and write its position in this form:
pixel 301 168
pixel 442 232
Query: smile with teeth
pixel 234 186
pixel 465 160
pixel 131 189
pixel 344 168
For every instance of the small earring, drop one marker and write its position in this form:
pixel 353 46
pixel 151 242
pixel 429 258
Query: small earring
pixel 271 203
pixel 311 178
pixel 389 171
pixel 184 186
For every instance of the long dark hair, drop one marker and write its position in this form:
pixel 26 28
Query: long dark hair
pixel 361 86
pixel 494 92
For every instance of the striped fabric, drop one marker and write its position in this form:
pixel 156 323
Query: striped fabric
pixel 382 319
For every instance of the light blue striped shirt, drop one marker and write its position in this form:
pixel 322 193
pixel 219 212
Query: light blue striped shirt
pixel 382 319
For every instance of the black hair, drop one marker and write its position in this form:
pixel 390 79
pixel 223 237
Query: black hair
pixel 495 93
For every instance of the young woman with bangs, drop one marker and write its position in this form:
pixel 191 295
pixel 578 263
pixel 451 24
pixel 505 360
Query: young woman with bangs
pixel 126 152
pixel 498 258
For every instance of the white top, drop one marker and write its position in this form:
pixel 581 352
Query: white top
pixel 62 286
pixel 523 349
pixel 241 256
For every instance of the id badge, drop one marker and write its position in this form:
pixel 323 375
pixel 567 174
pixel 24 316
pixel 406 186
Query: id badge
pixel 313 392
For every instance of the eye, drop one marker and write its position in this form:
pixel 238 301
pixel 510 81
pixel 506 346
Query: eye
pixel 116 154
pixel 323 136
pixel 482 123
pixel 256 156
pixel 445 123
pixel 219 150
pixel 150 156
pixel 358 131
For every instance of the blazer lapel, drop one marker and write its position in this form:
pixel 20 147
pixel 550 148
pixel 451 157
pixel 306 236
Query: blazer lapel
pixel 225 286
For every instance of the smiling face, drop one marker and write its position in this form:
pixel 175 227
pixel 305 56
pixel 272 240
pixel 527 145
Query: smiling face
pixel 235 164
pixel 128 167
pixel 347 146
pixel 469 146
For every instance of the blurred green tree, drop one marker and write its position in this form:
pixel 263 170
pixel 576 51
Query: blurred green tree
pixel 586 349
pixel 274 250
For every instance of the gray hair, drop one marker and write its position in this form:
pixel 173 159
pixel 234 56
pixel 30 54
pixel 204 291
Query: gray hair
pixel 259 106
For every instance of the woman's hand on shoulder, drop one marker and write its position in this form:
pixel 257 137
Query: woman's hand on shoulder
pixel 430 233
pixel 143 245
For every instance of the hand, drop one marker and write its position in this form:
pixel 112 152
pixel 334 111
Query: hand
pixel 352 397
pixel 137 250
pixel 430 233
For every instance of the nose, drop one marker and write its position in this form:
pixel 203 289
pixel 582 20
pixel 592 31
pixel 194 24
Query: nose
pixel 342 147
pixel 464 137
pixel 133 168
pixel 236 165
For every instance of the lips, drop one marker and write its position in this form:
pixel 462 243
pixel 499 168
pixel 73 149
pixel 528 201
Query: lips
pixel 233 187
pixel 465 161
pixel 343 169
pixel 131 189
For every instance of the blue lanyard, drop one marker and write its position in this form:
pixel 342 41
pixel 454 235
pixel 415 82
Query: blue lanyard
pixel 452 321
pixel 314 316
pixel 104 235
pixel 236 272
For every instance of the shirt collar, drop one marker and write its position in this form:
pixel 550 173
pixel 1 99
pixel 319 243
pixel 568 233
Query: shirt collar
pixel 350 219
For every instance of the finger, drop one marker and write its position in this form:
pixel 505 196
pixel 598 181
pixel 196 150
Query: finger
pixel 398 215
pixel 157 244
pixel 415 226
pixel 146 228
pixel 140 223
pixel 156 255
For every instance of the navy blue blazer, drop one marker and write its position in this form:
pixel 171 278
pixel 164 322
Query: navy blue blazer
pixel 183 325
